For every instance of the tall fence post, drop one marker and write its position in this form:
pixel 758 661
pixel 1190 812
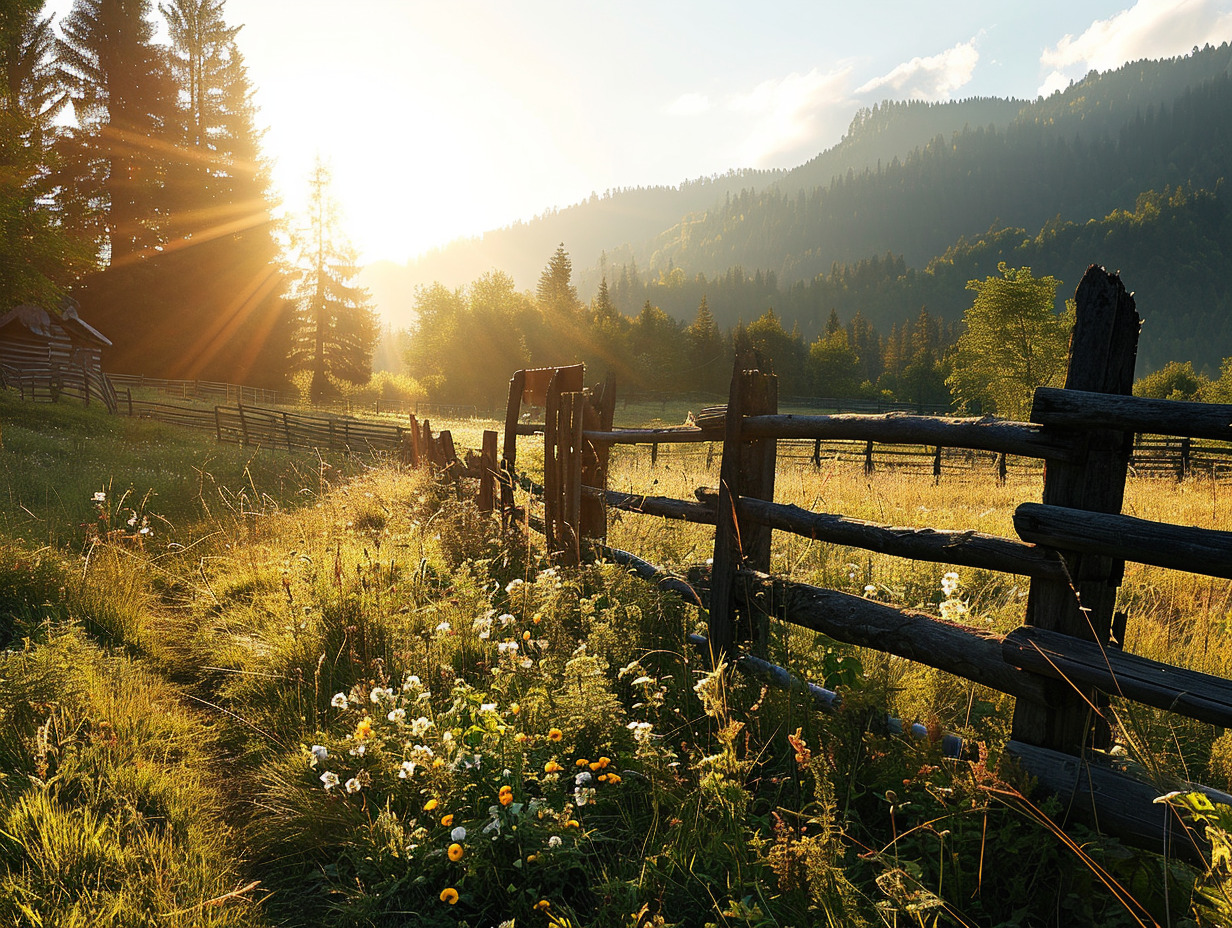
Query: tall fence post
pixel 747 469
pixel 488 469
pixel 509 453
pixel 1103 349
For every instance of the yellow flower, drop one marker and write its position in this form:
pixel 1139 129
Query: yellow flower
pixel 363 729
pixel 572 823
pixel 520 737
pixel 542 905
pixel 455 852
pixel 430 805
pixel 438 762
pixel 515 708
pixel 555 734
pixel 531 858
pixel 582 762
pixel 552 767
pixel 447 820
pixel 526 636
pixel 450 895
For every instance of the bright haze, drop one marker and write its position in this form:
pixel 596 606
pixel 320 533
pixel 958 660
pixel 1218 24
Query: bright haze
pixel 445 119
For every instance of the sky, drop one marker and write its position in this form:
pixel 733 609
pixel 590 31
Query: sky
pixel 445 118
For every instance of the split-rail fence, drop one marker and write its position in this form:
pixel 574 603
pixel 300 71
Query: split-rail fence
pixel 1062 666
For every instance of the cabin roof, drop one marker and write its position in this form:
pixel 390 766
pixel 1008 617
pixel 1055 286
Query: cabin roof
pixel 41 323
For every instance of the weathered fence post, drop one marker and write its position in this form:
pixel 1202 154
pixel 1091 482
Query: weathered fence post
pixel 747 469
pixel 1002 469
pixel 1182 468
pixel 1103 349
pixel 509 454
pixel 487 472
pixel 868 458
pixel 937 465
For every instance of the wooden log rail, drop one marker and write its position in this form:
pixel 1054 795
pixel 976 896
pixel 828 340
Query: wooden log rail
pixel 1178 547
pixel 1086 663
pixel 1081 409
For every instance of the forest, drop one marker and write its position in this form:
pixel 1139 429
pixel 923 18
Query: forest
pixel 132 181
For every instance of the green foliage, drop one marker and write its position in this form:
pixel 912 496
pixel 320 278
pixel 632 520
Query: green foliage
pixel 1174 381
pixel 1013 343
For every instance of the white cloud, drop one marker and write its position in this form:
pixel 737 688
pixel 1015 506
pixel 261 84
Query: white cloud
pixel 689 104
pixel 794 116
pixel 1148 29
pixel 932 78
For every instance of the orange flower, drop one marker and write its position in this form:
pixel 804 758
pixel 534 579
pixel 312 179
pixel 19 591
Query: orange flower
pixel 604 761
pixel 455 852
pixel 595 765
pixel 450 895
pixel 506 795
pixel 572 823
pixel 520 737
pixel 515 708
pixel 555 734
pixel 430 805
pixel 613 778
pixel 526 636
pixel 581 761
pixel 552 767
pixel 447 820
pixel 542 905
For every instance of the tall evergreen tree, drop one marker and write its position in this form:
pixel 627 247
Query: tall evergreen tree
pixel 121 92
pixel 337 324
pixel 38 254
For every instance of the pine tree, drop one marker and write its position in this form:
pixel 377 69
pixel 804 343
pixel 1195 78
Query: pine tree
pixel 338 326
pixel 121 92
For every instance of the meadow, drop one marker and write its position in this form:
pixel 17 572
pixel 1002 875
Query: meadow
pixel 248 688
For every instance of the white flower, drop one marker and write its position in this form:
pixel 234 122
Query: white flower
pixel 330 779
pixel 583 795
pixel 419 726
pixel 506 619
pixel 1168 797
pixel 949 584
pixel 526 663
pixel 869 589
pixel 554 841
pixel 487 707
pixel 642 679
pixel 513 585
pixel 353 785
pixel 642 731
pixel 408 768
pixel 319 753
pixel 411 682
pixel 506 647
pixel 397 716
pixel 458 834
pixel 444 628
pixel 100 497
pixel 380 692
pixel 583 778
pixel 358 751
pixel 339 701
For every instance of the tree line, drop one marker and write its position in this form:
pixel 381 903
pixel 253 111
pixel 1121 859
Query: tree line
pixel 151 206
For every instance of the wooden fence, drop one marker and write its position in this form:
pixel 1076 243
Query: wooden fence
pixel 49 382
pixel 1063 665
pixel 201 389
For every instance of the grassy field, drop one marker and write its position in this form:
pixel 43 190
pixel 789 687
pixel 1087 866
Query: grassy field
pixel 327 692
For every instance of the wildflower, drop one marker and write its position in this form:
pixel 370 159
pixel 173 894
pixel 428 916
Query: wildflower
pixel 506 619
pixel 613 778
pixel 353 785
pixel 339 701
pixel 449 895
pixel 542 905
pixel 583 795
pixel 506 795
pixel 642 731
pixel 555 734
pixel 537 618
pixel 438 762
pixel 1167 797
pixel 552 767
pixel 378 693
pixel 515 708
pixel 420 726
pixel 554 841
pixel 100 497
pixel 458 834
pixel 455 852
pixel 319 753
pixel 582 778
pixel 397 716
pixel 526 663
pixel 520 737
pixel 363 729
pixel 949 583
pixel 526 636
pixel 408 768
pixel 411 682
pixel 330 779
pixel 430 805
pixel 572 823
pixel 581 762
pixel 487 707
pixel 513 585
pixel 869 589
pixel 447 820
pixel 443 629
pixel 642 679
pixel 603 762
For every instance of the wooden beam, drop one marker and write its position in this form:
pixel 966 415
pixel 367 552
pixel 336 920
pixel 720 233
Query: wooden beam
pixel 1085 663
pixel 668 508
pixel 1179 547
pixel 1024 439
pixel 967 652
pixel 1115 803
pixel 1081 409
pixel 664 436
pixel 968 549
